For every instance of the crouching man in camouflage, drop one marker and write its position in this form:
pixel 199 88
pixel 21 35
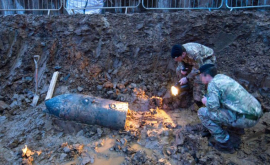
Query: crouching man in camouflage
pixel 190 57
pixel 227 104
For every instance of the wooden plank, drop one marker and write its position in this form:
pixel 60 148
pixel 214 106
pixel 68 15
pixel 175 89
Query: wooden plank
pixel 52 85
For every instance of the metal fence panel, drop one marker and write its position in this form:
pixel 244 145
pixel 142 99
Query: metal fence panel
pixel 100 4
pixel 30 5
pixel 182 4
pixel 237 4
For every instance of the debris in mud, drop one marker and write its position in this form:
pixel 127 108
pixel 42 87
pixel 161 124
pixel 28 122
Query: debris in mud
pixel 3 106
pixel 28 156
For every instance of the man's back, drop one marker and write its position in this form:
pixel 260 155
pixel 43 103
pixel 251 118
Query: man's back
pixel 231 95
pixel 198 54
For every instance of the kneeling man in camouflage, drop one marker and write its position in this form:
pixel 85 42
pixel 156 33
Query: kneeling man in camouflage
pixel 228 104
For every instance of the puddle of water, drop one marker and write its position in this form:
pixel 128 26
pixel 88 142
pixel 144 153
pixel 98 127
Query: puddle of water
pixel 73 162
pixel 103 155
pixel 105 150
pixel 101 159
pixel 138 147
pixel 110 161
pixel 107 144
pixel 115 160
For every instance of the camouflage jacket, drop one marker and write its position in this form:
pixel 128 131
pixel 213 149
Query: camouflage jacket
pixel 224 92
pixel 197 55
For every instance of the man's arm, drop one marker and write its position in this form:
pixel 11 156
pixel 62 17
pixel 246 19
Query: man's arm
pixel 199 53
pixel 213 98
pixel 198 62
pixel 180 66
pixel 193 73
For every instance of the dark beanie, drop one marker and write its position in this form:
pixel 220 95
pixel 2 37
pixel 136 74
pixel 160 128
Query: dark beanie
pixel 177 51
pixel 205 67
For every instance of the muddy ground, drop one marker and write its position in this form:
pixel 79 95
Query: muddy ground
pixel 149 138
pixel 126 58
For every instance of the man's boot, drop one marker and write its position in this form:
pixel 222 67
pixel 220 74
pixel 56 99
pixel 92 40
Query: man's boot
pixel 236 131
pixel 225 147
pixel 229 146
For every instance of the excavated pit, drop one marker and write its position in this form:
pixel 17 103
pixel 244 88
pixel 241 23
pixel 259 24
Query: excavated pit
pixel 126 58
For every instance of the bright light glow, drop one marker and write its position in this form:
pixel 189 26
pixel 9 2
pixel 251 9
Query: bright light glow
pixel 24 150
pixel 174 90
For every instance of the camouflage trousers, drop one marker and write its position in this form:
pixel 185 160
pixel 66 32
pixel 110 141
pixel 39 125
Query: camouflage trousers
pixel 199 89
pixel 214 121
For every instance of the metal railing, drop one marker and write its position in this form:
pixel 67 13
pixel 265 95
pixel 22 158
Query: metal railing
pixel 103 4
pixel 182 4
pixel 30 5
pixel 19 6
pixel 240 4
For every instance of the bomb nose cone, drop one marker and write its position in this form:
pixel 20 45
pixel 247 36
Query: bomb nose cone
pixel 54 105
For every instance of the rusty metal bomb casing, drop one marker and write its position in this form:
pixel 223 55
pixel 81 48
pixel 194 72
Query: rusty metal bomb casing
pixel 89 110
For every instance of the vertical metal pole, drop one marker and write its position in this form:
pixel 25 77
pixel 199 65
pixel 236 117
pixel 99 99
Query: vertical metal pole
pixel 120 6
pixel 23 4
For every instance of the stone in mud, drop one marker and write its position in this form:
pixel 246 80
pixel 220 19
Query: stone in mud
pixel 123 141
pixel 120 86
pixel 14 105
pixel 66 149
pixel 3 106
pixel 152 135
pixel 130 151
pixel 133 85
pixel 26 162
pixel 108 84
pixel 27 79
pixel 27 100
pixel 99 87
pixel 87 159
pixel 155 102
pixel 140 157
pixel 180 138
pixel 99 131
pixel 63 156
pixel 80 133
pixel 2 119
pixel 80 89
